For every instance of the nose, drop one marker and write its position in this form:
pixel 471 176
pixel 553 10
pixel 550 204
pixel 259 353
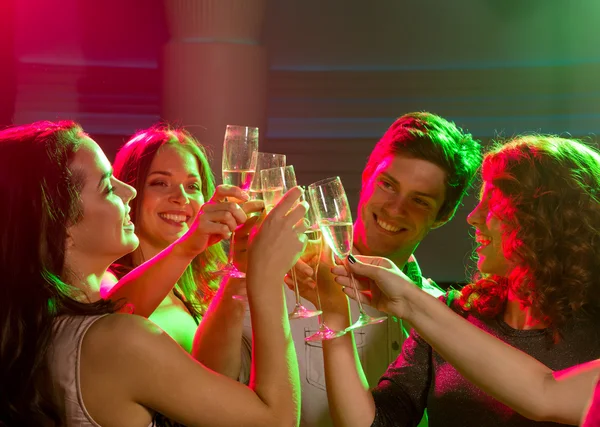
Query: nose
pixel 179 195
pixel 474 218
pixel 396 206
pixel 125 191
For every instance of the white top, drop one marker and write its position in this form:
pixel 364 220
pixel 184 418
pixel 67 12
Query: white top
pixel 378 346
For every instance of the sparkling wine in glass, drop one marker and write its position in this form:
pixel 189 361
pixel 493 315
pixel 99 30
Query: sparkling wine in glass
pixel 240 149
pixel 275 183
pixel 335 220
pixel 312 257
pixel 238 178
pixel 264 161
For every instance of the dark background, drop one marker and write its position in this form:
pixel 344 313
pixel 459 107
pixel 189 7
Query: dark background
pixel 340 72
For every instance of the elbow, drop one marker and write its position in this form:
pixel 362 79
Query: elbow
pixel 538 411
pixel 283 420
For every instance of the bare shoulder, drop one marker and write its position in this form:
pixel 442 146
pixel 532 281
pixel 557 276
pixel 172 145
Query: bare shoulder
pixel 122 333
pixel 127 349
pixel 116 361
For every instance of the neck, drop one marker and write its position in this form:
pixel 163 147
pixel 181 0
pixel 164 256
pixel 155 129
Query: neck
pixel 144 252
pixel 88 281
pixel 400 259
pixel 519 315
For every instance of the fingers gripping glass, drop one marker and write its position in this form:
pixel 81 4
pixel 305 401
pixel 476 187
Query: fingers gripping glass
pixel 275 183
pixel 240 149
pixel 312 257
pixel 335 220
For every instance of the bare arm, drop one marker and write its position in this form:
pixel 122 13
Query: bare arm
pixel 350 401
pixel 143 368
pixel 147 285
pixel 218 340
pixel 129 365
pixel 508 374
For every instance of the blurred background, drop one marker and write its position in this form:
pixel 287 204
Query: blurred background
pixel 323 79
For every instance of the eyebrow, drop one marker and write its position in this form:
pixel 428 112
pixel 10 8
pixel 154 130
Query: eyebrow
pixel 165 173
pixel 105 175
pixel 418 193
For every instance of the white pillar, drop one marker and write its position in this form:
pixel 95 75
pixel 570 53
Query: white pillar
pixel 214 68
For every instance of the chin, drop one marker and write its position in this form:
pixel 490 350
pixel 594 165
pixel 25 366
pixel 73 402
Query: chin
pixel 131 245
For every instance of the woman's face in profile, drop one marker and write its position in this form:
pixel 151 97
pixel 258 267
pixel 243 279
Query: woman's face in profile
pixel 489 234
pixel 104 231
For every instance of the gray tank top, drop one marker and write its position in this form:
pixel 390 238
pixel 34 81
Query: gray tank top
pixel 64 363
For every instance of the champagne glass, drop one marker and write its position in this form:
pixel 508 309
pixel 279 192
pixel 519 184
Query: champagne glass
pixel 335 220
pixel 275 183
pixel 312 257
pixel 264 161
pixel 240 149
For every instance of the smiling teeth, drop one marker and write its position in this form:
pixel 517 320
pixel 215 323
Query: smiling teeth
pixel 388 227
pixel 483 240
pixel 174 218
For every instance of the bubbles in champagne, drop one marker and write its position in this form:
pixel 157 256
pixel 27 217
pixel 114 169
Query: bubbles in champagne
pixel 255 194
pixel 240 178
pixel 338 236
pixel 272 196
pixel 312 253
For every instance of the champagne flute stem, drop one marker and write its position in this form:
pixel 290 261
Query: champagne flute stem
pixel 353 281
pixel 319 306
pixel 231 252
pixel 296 290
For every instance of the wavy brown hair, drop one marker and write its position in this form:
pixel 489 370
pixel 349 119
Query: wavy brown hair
pixel 40 197
pixel 547 193
pixel 132 165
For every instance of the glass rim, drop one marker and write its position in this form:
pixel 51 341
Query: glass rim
pixel 271 154
pixel 241 126
pixel 278 167
pixel 324 181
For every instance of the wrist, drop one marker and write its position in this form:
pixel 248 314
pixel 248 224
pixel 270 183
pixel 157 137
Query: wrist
pixel 181 248
pixel 231 286
pixel 413 302
pixel 337 306
pixel 337 317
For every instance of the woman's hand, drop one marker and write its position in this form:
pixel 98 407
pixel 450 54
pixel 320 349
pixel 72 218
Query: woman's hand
pixel 379 282
pixel 280 239
pixel 254 209
pixel 330 294
pixel 216 220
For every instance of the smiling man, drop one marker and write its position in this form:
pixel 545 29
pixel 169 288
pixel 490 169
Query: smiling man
pixel 413 182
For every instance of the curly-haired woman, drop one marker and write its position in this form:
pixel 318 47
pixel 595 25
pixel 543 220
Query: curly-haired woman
pixel 538 233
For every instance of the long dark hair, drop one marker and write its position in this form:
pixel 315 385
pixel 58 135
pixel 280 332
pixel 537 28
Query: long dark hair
pixel 547 193
pixel 40 199
pixel 132 165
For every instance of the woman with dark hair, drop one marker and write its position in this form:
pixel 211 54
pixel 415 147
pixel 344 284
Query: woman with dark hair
pixel 67 361
pixel 171 174
pixel 538 234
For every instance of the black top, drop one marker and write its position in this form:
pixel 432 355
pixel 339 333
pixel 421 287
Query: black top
pixel 420 378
